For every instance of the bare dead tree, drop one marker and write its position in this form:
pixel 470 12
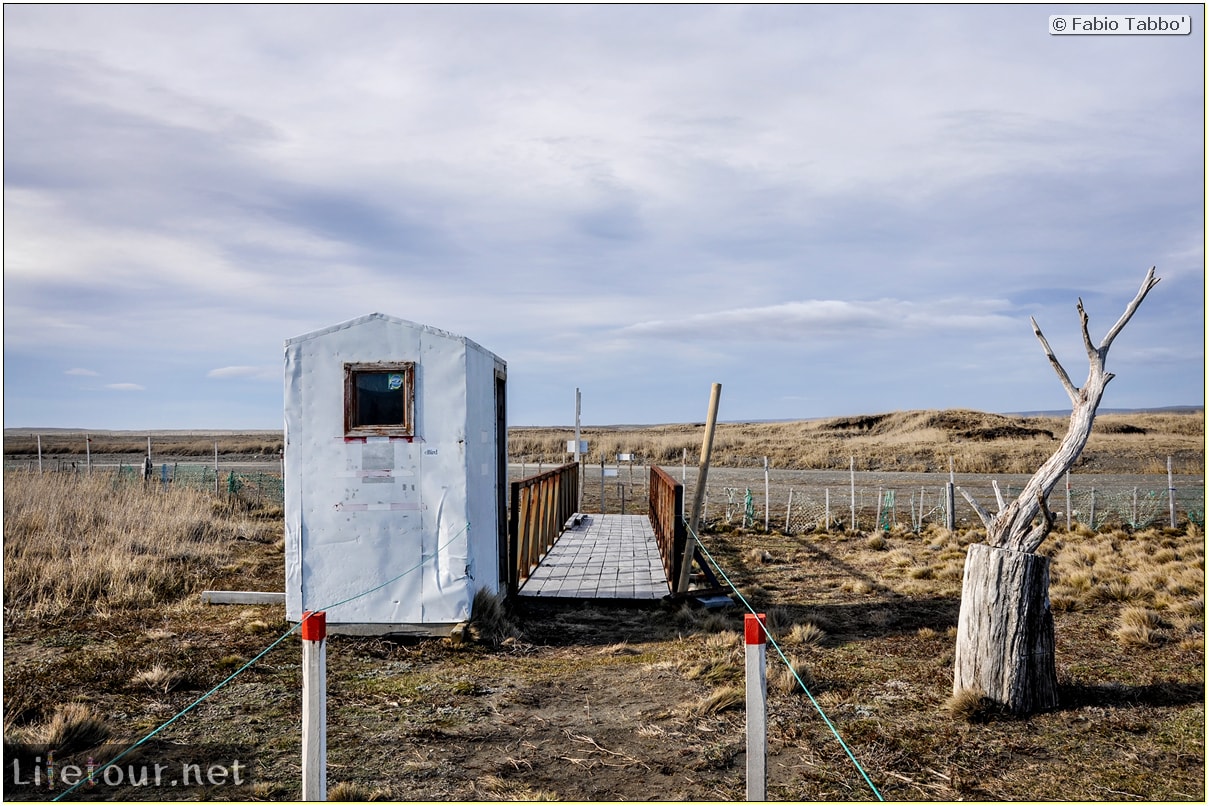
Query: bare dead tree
pixel 1005 631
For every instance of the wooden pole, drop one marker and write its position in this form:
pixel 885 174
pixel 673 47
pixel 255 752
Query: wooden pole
pixel 827 509
pixel 683 465
pixel 788 510
pixel 707 447
pixel 602 484
pixel 765 495
pixel 40 455
pixel 852 487
pixel 215 464
pixel 950 502
pixel 1068 500
pixel 620 488
pixel 755 642
pixel 314 706
pixel 88 454
pixel 1170 491
pixel 579 499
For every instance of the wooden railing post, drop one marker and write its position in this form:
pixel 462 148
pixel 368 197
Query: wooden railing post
pixel 666 496
pixel 540 506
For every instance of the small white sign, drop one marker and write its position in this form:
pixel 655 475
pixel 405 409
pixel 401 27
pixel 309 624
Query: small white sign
pixel 625 457
pixel 583 446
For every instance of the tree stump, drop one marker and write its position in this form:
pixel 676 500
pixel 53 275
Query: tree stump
pixel 1005 630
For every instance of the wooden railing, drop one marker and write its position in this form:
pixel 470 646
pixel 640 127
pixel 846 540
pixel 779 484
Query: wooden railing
pixel 666 512
pixel 540 507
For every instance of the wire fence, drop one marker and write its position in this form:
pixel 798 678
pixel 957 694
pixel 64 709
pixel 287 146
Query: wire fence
pixel 802 501
pixel 792 504
pixel 253 489
pixel 798 510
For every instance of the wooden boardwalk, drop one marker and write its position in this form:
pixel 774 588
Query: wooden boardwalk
pixel 604 557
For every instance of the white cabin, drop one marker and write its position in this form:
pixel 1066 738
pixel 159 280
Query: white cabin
pixel 395 476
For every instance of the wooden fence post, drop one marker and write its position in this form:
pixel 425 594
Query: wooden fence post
pixel 707 446
pixel 950 502
pixel 766 495
pixel 757 706
pixel 852 487
pixel 1170 492
pixel 1068 500
pixel 314 705
pixel 788 510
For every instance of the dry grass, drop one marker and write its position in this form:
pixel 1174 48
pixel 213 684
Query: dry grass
pixel 917 441
pixel 22 442
pixel 808 634
pixel 158 678
pixel 721 699
pixel 784 679
pixel 968 705
pixel 594 703
pixel 77 544
pixel 346 792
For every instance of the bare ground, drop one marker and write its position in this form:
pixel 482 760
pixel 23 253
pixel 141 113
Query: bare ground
pixel 593 703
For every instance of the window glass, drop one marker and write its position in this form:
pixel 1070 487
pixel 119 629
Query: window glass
pixel 378 399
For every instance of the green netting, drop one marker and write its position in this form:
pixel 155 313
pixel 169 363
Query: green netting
pixel 256 490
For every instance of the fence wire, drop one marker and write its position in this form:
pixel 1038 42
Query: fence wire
pixel 791 509
pixel 256 490
pixel 796 510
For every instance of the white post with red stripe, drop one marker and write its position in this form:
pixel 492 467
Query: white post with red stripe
pixel 757 706
pixel 314 705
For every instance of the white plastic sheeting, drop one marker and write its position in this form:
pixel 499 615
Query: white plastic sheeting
pixel 360 511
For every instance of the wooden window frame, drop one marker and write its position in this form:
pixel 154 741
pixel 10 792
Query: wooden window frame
pixel 404 429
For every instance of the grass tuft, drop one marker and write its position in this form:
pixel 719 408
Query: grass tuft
pixel 72 728
pixel 808 634
pixel 348 791
pixel 490 622
pixel 158 678
pixel 722 699
pixel 782 680
pixel 972 706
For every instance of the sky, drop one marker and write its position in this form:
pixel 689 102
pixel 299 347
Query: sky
pixel 830 210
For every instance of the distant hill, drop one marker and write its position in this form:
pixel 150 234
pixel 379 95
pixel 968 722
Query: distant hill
pixel 1066 412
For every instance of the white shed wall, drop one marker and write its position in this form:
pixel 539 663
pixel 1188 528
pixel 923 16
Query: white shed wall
pixel 361 512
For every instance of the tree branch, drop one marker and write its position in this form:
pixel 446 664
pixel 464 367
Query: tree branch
pixel 982 513
pixel 1083 319
pixel 998 495
pixel 1053 359
pixel 1041 530
pixel 1150 282
pixel 1013 527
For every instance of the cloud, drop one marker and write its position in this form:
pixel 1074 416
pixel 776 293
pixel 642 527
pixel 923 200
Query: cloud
pixel 253 373
pixel 84 372
pixel 125 387
pixel 572 186
pixel 831 319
